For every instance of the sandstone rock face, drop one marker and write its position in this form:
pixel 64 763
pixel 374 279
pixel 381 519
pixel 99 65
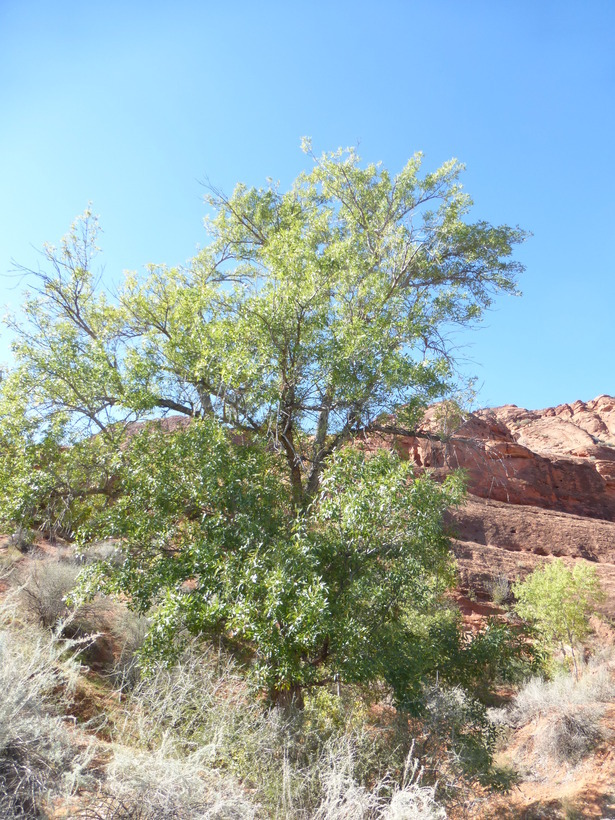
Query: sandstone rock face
pixel 541 483
pixel 561 458
pixel 494 541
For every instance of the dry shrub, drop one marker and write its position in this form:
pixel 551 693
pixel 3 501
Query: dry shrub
pixel 107 550
pixel 411 800
pixel 116 633
pixel 162 764
pixel 566 713
pixel 168 783
pixel 569 735
pixel 22 539
pixel 196 743
pixel 38 755
pixel 499 589
pixel 540 697
pixel 46 587
pixel 129 630
pixel 343 797
pixel 200 698
pixel 201 717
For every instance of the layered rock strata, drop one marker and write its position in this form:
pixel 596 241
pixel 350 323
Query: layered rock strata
pixel 541 483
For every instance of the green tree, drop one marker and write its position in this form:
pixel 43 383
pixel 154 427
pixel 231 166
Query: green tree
pixel 325 596
pixel 309 317
pixel 560 601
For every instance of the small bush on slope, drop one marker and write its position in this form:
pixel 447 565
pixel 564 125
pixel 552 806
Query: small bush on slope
pixel 457 725
pixel 116 632
pixel 46 588
pixel 38 755
pixel 567 713
pixel 560 601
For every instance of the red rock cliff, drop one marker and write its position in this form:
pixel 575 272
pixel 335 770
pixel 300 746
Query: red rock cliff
pixel 541 483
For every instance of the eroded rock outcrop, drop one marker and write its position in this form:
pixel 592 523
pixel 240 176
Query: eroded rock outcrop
pixel 541 483
pixel 561 458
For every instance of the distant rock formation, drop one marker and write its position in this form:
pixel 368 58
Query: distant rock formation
pixel 561 458
pixel 541 483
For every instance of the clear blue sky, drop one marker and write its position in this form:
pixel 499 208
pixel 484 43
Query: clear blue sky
pixel 132 104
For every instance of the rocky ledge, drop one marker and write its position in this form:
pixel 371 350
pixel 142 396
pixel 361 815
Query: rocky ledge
pixel 541 483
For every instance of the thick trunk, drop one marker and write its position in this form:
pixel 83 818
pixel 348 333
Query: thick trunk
pixel 294 466
pixel 293 458
pixel 205 399
pixel 289 699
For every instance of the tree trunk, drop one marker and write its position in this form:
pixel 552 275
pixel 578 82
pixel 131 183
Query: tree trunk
pixel 292 458
pixel 319 447
pixel 289 699
pixel 294 466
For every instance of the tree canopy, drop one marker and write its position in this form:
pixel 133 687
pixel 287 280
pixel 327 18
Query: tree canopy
pixel 559 601
pixel 308 315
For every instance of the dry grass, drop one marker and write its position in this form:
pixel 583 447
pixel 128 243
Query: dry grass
pixel 45 589
pixel 116 633
pixel 129 630
pixel 343 796
pixel 167 782
pixel 39 756
pixel 499 589
pixel 563 715
pixel 201 720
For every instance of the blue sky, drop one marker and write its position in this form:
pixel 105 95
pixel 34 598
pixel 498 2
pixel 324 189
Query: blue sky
pixel 131 105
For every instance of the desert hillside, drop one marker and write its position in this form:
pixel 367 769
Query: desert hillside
pixel 541 485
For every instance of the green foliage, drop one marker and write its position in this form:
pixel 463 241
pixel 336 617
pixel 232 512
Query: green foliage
pixel 323 596
pixel 559 602
pixel 459 722
pixel 443 651
pixel 497 654
pixel 52 489
pixel 311 311
pixel 45 484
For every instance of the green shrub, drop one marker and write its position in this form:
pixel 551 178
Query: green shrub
pixel 559 602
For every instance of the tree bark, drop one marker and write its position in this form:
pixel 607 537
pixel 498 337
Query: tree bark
pixel 289 699
pixel 294 466
pixel 318 451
